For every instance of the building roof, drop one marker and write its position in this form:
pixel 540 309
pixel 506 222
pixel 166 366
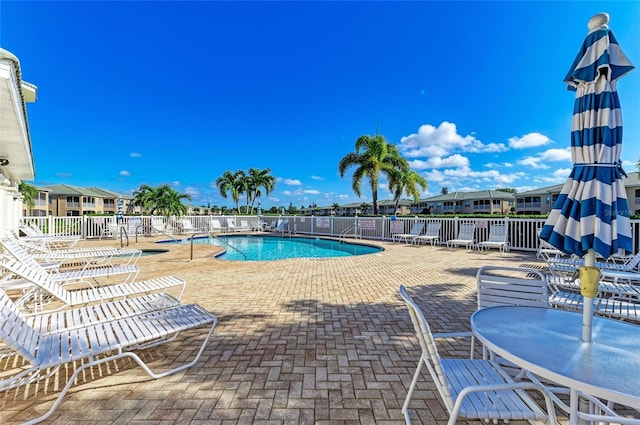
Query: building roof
pixel 464 196
pixel 69 190
pixel 541 191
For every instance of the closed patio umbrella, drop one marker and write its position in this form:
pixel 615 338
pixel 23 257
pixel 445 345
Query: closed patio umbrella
pixel 591 214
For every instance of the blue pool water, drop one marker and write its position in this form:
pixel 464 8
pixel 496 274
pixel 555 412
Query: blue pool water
pixel 265 248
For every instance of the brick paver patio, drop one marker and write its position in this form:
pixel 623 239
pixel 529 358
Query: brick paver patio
pixel 311 341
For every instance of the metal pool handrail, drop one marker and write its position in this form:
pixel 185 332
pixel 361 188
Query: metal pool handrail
pixel 210 234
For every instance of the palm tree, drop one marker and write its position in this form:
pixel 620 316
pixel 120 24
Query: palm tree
pixel 163 198
pixel 144 197
pixel 233 183
pixel 29 194
pixel 169 201
pixel 364 207
pixel 373 155
pixel 257 180
pixel 334 208
pixel 406 180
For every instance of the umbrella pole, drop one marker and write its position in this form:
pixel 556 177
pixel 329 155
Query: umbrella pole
pixel 589 278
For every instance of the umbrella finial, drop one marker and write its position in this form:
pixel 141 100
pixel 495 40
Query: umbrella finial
pixel 598 21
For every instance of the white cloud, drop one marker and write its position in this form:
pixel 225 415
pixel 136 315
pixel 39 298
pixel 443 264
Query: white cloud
pixel 530 140
pixel 556 154
pixel 317 178
pixel 548 155
pixel 175 183
pixel 441 141
pixel 343 196
pixel 189 190
pixel 558 176
pixel 455 160
pixel 64 175
pixel 287 193
pixel 533 162
pixel 311 192
pixel 135 155
pixel 124 173
pixel 292 182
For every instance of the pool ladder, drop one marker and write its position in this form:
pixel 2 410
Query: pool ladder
pixel 351 230
pixel 224 243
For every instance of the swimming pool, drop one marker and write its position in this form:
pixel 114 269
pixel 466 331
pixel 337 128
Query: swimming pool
pixel 266 248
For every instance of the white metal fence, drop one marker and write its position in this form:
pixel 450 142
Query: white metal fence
pixel 522 232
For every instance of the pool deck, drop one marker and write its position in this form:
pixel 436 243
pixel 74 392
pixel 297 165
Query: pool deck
pixel 304 341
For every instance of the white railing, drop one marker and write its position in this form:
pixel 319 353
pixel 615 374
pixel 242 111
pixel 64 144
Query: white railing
pixel 522 232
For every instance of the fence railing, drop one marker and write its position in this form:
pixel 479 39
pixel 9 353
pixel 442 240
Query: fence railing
pixel 522 232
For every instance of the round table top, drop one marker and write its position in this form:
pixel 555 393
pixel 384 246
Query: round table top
pixel 548 342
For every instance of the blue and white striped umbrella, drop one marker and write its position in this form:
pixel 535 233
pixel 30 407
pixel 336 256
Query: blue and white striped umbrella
pixel 592 212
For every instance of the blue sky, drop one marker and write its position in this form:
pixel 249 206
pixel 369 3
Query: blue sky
pixel 133 93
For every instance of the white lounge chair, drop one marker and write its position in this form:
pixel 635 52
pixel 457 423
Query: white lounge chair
pixel 72 275
pixel 215 226
pixel 282 226
pixel 89 255
pixel 244 226
pixel 33 232
pixel 416 229
pixel 231 224
pixel 42 281
pixel 186 226
pixel 546 251
pixel 497 238
pixel 92 345
pixel 472 388
pixel 431 235
pixel 465 237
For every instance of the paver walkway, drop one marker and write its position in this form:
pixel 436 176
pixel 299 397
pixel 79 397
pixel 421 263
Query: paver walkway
pixel 299 342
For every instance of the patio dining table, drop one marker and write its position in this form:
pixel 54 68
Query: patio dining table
pixel 548 343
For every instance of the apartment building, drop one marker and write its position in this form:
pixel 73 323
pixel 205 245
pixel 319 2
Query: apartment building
pixel 479 202
pixel 68 200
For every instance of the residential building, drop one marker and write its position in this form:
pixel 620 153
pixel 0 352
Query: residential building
pixel 537 201
pixel 68 200
pixel 479 202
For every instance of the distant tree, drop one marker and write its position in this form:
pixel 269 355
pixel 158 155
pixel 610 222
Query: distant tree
pixel 507 189
pixel 233 183
pixel 373 156
pixel 406 180
pixel 364 207
pixel 273 210
pixel 444 191
pixel 257 181
pixel 29 194
pixel 335 207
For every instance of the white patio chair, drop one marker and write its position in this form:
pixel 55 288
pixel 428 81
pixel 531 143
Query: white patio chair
pixel 472 388
pixel 44 285
pixel 501 285
pixel 465 237
pixel 244 226
pixel 416 229
pixel 231 224
pixel 431 235
pixel 497 238
pixel 92 345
